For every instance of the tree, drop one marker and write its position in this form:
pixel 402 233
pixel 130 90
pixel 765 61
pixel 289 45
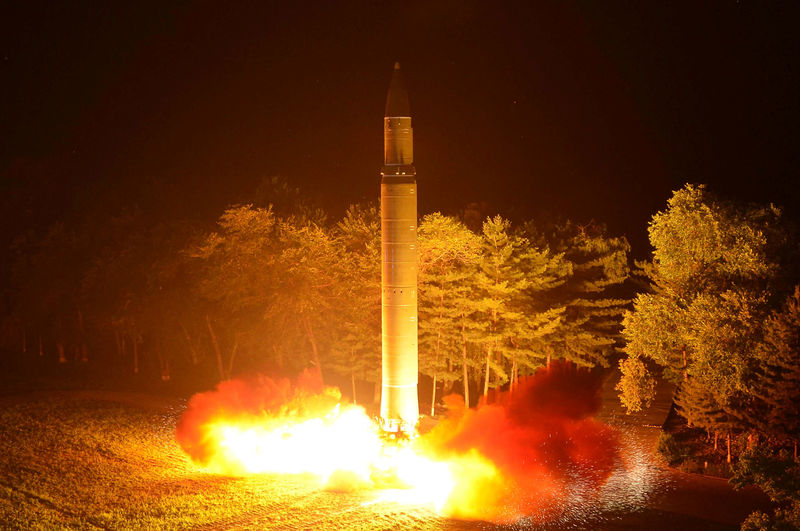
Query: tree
pixel 531 341
pixel 712 261
pixel 262 273
pixel 778 475
pixel 448 253
pixel 717 273
pixel 512 272
pixel 592 268
pixel 47 272
pixel 237 277
pixel 356 349
pixel 702 407
pixel 306 282
pixel 499 281
pixel 775 386
pixel 636 386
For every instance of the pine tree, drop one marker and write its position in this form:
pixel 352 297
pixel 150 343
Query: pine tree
pixel 356 348
pixel 775 387
pixel 449 253
pixel 597 266
pixel 529 345
pixel 701 407
pixel 501 282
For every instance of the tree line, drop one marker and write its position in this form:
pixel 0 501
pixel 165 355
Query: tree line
pixel 282 287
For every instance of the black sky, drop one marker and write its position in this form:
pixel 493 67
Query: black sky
pixel 593 111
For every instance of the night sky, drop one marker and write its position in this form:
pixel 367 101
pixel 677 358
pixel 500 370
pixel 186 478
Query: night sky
pixel 591 111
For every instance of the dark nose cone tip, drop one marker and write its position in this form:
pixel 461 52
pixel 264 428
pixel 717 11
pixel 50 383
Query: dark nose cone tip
pixel 397 99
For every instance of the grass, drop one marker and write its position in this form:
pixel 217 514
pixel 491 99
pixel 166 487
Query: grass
pixel 80 460
pixel 107 460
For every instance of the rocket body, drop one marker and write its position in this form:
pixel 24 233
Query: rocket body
pixel 399 402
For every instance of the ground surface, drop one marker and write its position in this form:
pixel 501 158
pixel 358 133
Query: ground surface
pixel 109 460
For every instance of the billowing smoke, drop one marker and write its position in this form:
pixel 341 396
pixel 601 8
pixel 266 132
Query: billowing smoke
pixel 531 455
pixel 542 442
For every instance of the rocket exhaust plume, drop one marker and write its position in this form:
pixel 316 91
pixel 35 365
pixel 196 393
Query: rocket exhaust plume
pixel 399 402
pixel 535 457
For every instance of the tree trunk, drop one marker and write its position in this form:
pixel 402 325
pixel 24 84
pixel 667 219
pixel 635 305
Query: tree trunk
pixel 353 384
pixel 486 379
pixel 447 385
pixel 220 366
pixel 685 365
pixel 234 350
pixel 433 396
pixel 313 341
pixel 163 363
pixel 438 348
pixel 135 355
pixel 716 436
pixel 192 351
pixel 83 348
pixel 548 362
pixel 464 366
pixel 123 346
pixel 118 342
pixel 62 356
pixel 513 378
pixel 490 351
pixel 729 447
pixel 465 376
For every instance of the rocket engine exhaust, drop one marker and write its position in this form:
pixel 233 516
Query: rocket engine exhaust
pixel 399 402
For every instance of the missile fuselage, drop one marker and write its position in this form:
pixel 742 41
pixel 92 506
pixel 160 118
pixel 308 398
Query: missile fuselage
pixel 399 402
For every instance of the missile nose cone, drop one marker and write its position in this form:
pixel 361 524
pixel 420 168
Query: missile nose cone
pixel 397 99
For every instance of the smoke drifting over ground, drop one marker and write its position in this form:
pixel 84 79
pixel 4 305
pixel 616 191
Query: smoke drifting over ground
pixel 541 441
pixel 532 456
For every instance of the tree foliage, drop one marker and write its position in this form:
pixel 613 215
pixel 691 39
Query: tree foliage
pixel 276 285
pixel 722 318
pixel 778 475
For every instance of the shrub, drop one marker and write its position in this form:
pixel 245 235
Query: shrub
pixel 674 452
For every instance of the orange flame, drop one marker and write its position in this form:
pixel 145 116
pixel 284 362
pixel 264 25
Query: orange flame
pixel 500 462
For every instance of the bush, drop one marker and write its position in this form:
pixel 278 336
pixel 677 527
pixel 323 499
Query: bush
pixel 674 452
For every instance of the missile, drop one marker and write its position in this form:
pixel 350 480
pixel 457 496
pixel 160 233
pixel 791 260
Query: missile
pixel 399 402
